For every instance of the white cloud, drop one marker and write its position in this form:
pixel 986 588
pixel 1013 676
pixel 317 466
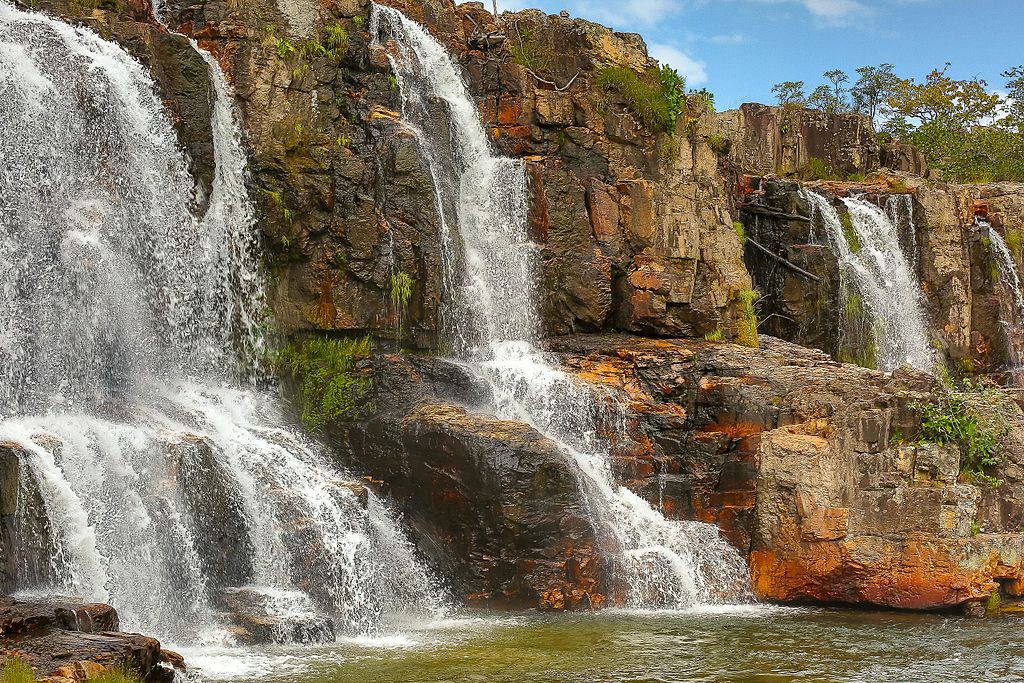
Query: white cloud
pixel 689 68
pixel 728 39
pixel 830 11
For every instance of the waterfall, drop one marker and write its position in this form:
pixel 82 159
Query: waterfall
pixel 1011 307
pixel 870 259
pixel 491 267
pixel 130 329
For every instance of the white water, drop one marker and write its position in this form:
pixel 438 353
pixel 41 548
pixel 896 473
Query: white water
pixel 491 267
pixel 128 330
pixel 881 274
pixel 1013 309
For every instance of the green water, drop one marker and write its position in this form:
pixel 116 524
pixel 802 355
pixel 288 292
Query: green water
pixel 756 644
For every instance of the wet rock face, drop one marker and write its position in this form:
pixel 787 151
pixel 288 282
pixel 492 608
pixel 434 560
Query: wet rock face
pixel 258 618
pixel 25 534
pixel 66 641
pixel 964 295
pixel 493 504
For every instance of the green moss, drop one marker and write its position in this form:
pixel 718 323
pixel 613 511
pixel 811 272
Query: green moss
pixel 898 185
pixel 657 96
pixel 994 602
pixel 714 335
pixel 1014 244
pixel 331 388
pixel 856 177
pixel 719 145
pixel 741 232
pixel 746 328
pixel 15 670
pixel 849 232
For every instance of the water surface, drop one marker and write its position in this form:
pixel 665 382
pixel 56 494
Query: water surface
pixel 738 644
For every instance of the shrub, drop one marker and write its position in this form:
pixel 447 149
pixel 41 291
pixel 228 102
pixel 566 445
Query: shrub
pixel 746 329
pixel 331 389
pixel 528 53
pixel 817 169
pixel 953 420
pixel 283 47
pixel 657 96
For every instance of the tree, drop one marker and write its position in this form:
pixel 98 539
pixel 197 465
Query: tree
pixel 873 88
pixel 838 77
pixel 943 101
pixel 1015 100
pixel 824 99
pixel 790 93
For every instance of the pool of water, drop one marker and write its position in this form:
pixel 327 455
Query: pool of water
pixel 733 644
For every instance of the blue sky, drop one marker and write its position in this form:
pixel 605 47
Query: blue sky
pixel 739 48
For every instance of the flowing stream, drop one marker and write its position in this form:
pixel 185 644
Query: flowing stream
pixel 130 333
pixel 1011 306
pixel 870 258
pixel 491 269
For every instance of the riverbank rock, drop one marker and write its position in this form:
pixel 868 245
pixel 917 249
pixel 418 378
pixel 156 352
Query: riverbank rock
pixel 65 641
pixel 812 468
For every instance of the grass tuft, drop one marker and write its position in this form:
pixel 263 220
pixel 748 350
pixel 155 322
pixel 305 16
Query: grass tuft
pixel 331 389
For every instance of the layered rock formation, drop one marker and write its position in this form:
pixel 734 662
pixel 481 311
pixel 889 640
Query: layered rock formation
pixel 795 456
pixel 67 642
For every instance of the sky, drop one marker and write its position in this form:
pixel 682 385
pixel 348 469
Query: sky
pixel 739 48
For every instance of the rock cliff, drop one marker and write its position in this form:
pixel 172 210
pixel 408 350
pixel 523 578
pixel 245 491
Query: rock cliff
pixel 813 468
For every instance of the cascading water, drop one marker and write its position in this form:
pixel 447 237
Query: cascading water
pixel 128 329
pixel 871 260
pixel 491 267
pixel 1012 306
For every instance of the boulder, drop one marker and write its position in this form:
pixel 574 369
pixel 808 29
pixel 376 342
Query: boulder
pixel 273 616
pixel 65 641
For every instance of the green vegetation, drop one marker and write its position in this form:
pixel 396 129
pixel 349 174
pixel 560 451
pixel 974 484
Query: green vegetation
pixel 331 388
pixel 969 131
pixel 1014 244
pixel 994 602
pixel 117 675
pixel 15 670
pixel 849 232
pixel 283 47
pixel 817 169
pixel 714 335
pixel 336 40
pixel 528 53
pixel 741 232
pixel 401 289
pixel 955 419
pixel 746 328
pixel 719 145
pixel 657 96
